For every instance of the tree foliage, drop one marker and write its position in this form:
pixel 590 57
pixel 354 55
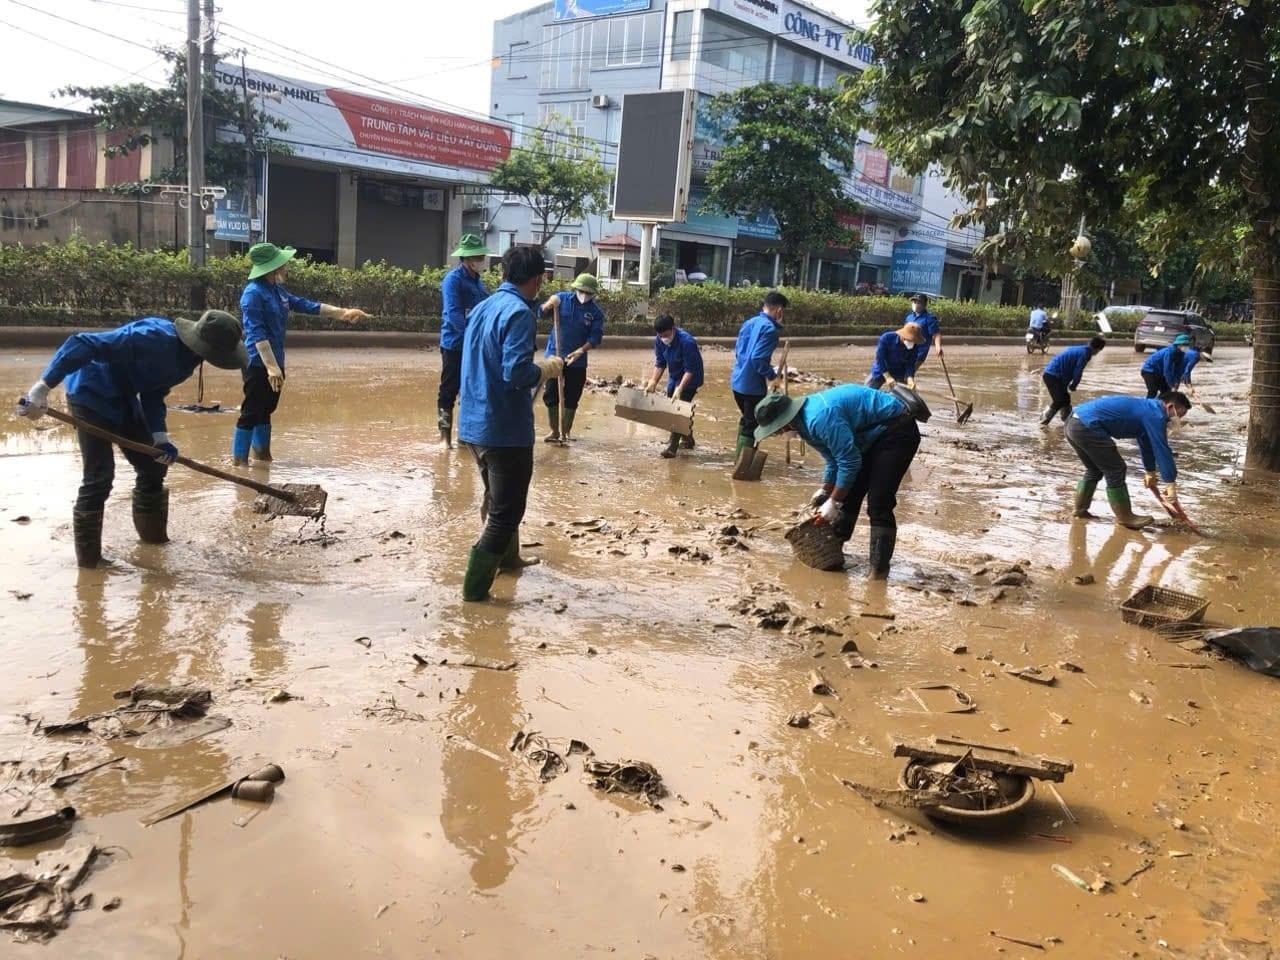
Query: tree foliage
pixel 146 114
pixel 557 174
pixel 786 151
pixel 1045 110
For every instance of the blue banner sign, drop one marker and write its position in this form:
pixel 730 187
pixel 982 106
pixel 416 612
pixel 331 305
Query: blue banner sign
pixel 582 9
pixel 917 267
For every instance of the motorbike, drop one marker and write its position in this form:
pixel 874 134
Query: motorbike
pixel 1038 339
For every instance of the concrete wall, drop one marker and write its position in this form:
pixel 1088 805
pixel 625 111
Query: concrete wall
pixel 39 216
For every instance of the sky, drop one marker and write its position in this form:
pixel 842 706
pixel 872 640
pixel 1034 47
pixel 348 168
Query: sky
pixel 438 51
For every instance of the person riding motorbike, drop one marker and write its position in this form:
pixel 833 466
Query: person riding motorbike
pixel 1038 328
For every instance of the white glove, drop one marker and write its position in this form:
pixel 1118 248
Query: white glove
pixel 820 496
pixel 550 368
pixel 1149 479
pixel 827 512
pixel 36 401
pixel 1171 492
pixel 911 383
pixel 650 386
pixel 889 381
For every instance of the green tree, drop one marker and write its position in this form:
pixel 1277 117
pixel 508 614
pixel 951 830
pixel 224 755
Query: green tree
pixel 1046 110
pixel 557 174
pixel 146 114
pixel 786 151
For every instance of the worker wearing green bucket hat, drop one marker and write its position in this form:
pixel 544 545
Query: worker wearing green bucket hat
pixel 265 306
pixel 1166 369
pixel 580 322
pixel 461 291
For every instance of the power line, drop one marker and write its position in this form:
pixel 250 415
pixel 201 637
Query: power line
pixel 85 26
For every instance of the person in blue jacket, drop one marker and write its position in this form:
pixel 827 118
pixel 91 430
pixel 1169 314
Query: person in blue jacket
pixel 581 331
pixel 265 306
pixel 461 290
pixel 1166 368
pixel 675 351
pixel 929 323
pixel 753 371
pixel 117 381
pixel 1062 376
pixel 1092 432
pixel 499 377
pixel 868 439
pixel 897 353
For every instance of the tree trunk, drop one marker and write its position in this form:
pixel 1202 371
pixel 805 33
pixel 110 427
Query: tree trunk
pixel 1262 450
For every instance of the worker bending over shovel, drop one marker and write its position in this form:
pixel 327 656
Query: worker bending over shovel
pixel 1166 369
pixel 1092 432
pixel 499 377
pixel 676 351
pixel 897 353
pixel 118 380
pixel 581 331
pixel 868 439
pixel 1062 376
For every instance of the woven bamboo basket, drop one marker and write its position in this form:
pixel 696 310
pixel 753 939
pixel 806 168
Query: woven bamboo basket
pixel 816 545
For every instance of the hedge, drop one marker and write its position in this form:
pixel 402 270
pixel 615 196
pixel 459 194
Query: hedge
pixel 78 284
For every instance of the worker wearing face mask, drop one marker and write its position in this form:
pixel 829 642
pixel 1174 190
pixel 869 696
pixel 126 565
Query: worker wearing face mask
pixel 581 330
pixel 676 352
pixel 461 291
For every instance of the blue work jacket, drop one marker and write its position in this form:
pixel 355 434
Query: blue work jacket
pixel 894 357
pixel 1134 418
pixel 1038 319
pixel 461 291
pixel 1069 365
pixel 683 356
pixel 124 373
pixel 264 311
pixel 1192 357
pixel 930 325
pixel 498 372
pixel 1170 363
pixel 579 323
pixel 752 369
pixel 841 423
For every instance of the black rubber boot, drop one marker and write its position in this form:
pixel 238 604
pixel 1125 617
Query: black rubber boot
pixel 151 516
pixel 444 420
pixel 1046 415
pixel 86 530
pixel 672 446
pixel 482 567
pixel 883 540
pixel 686 443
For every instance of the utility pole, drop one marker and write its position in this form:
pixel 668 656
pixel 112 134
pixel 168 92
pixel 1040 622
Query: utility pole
pixel 250 160
pixel 195 141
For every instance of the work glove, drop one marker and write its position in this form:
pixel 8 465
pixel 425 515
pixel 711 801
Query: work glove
pixel 580 352
pixel 549 368
pixel 911 383
pixel 275 379
pixel 1171 493
pixel 889 381
pixel 820 496
pixel 650 386
pixel 168 452
pixel 939 349
pixel 828 511
pixel 1149 480
pixel 352 314
pixel 34 402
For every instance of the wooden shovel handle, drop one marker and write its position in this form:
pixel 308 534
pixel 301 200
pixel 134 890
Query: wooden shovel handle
pixel 153 452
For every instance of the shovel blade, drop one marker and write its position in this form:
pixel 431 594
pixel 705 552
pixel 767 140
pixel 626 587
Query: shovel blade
pixel 309 500
pixel 965 414
pixel 750 464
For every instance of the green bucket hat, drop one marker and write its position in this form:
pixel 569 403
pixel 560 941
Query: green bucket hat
pixel 217 337
pixel 1182 340
pixel 587 284
pixel 267 258
pixel 470 245
pixel 774 412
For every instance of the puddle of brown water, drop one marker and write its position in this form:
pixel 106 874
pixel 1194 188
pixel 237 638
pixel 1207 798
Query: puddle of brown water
pixel 471 855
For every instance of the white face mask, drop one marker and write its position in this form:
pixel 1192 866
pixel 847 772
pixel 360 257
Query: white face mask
pixel 583 297
pixel 667 341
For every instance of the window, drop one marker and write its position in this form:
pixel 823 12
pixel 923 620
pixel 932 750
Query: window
pixel 517 61
pixel 831 75
pixel 792 66
pixel 566 55
pixel 506 240
pixel 682 35
pixel 569 241
pixel 633 40
pixel 571 115
pixel 737 51
pixel 516 120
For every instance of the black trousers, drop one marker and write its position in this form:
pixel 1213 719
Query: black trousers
pixel 747 406
pixel 575 379
pixel 884 464
pixel 506 473
pixel 260 401
pixel 99 460
pixel 1097 452
pixel 450 378
pixel 1156 384
pixel 1060 396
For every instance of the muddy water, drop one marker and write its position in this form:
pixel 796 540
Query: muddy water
pixel 415 833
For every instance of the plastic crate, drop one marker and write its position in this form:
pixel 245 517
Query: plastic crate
pixel 1154 606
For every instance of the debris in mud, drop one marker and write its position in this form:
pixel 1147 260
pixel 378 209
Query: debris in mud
pixel 635 778
pixel 482 663
pixel 177 711
pixel 779 614
pixel 21 518
pixel 799 720
pixel 176 734
pixel 74 776
pixel 689 553
pixel 34 828
pixel 1139 698
pixel 1084 580
pixel 603 385
pixel 280 695
pixel 818 684
pixel 386 708
pixel 1007 760
pixel 1069 667
pixel 215 407
pixel 269 775
pixel 35 896
pixel 905 798
pixel 538 751
pixel 21 595
pixel 174 695
pixel 1099 885
pixel 1041 675
pixel 1035 945
pixel 963 703
pixel 899 832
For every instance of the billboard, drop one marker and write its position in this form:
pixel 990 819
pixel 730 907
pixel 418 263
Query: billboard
pixel 357 130
pixel 652 180
pixel 917 267
pixel 582 9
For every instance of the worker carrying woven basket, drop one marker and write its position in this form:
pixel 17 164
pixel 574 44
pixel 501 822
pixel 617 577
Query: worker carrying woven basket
pixel 868 439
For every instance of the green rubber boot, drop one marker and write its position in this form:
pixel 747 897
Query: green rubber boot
pixel 482 567
pixel 1084 497
pixel 86 528
pixel 553 414
pixel 569 414
pixel 1121 506
pixel 511 559
pixel 744 441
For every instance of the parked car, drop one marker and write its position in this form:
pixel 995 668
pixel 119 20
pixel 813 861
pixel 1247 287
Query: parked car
pixel 1159 327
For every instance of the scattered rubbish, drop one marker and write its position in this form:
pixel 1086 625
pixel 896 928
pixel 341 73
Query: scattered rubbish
pixel 1178 854
pixel 260 791
pixel 999 728
pixel 1139 698
pixel 20 831
pixel 1141 869
pixel 21 518
pixel 1083 580
pixel 67 779
pixel 916 897
pixel 483 663
pixel 149 704
pixel 365 642
pixel 1059 718
pixel 963 702
pixel 386 708
pixel 215 407
pixel 1050 836
pixel 848 647
pixel 178 734
pixel 35 896
pixel 1069 667
pixel 1034 674
pixel 799 720
pixel 280 695
pixel 1154 606
pixel 1066 811
pixel 112 904
pixel 1258 648
pixel 180 695
pixel 959 648
pixel 538 751
pixel 383 909
pixel 907 798
pixel 1099 885
pixel 271 774
pixel 635 778
pixel 818 684
pixel 878 616
pixel 1012 578
pixel 473 747
pixel 984 757
pixel 898 832
pixel 1018 940
pixel 1178 824
pixel 21 594
pixel 968 794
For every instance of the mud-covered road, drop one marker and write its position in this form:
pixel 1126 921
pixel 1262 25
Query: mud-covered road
pixel 407 829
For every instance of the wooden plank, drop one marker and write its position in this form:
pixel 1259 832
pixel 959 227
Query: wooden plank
pixel 996 759
pixel 654 410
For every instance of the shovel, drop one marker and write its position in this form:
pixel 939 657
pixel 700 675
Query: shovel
pixel 1176 512
pixel 1204 404
pixel 962 414
pixel 291 500
pixel 555 323
pixel 750 464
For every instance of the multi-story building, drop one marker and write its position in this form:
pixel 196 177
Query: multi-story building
pixel 575 59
